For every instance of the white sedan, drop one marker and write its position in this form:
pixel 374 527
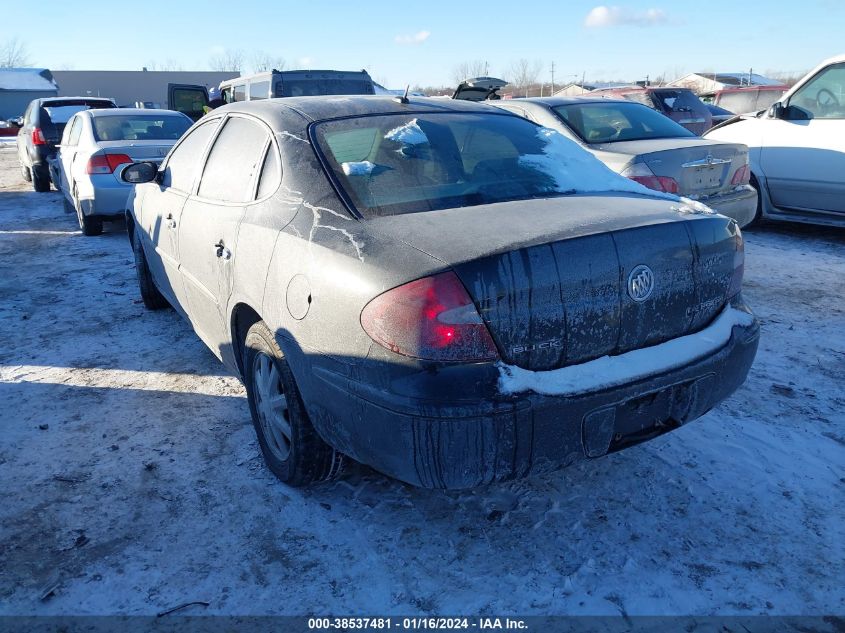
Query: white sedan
pixel 797 149
pixel 96 145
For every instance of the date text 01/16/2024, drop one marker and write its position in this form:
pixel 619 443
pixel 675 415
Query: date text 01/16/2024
pixel 416 623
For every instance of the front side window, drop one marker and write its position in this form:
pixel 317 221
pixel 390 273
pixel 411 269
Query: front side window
pixel 321 86
pixel 389 165
pixel 182 166
pixel 133 127
pixel 235 157
pixel 239 92
pixel 617 121
pixel 823 97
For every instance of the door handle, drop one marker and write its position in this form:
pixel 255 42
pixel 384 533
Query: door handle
pixel 171 223
pixel 222 251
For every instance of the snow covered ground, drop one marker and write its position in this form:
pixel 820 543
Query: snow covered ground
pixel 132 480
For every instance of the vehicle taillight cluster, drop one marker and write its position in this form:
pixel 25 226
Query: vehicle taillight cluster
pixel 106 163
pixel 432 318
pixel 38 137
pixel 742 176
pixel 640 172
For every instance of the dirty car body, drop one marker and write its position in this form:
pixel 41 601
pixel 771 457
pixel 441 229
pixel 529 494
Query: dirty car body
pixel 447 308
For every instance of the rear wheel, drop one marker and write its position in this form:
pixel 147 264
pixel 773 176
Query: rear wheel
pixel 40 179
pixel 293 450
pixel 26 174
pixel 150 295
pixel 90 224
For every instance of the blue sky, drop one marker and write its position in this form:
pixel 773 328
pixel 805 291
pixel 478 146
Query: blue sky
pixel 420 43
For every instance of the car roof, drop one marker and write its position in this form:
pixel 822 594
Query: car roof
pixel 60 100
pixel 311 109
pixel 559 101
pixel 124 111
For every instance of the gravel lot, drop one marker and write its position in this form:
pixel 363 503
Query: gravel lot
pixel 132 479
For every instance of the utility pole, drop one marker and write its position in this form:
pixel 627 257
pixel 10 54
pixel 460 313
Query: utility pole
pixel 553 78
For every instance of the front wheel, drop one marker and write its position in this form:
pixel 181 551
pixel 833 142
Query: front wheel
pixel 292 449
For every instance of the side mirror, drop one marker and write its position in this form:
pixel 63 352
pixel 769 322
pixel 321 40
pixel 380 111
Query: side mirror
pixel 777 110
pixel 139 173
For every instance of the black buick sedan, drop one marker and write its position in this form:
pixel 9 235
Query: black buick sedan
pixel 440 289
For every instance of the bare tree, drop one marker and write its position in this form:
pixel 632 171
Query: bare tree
pixel 262 61
pixel 13 53
pixel 232 60
pixel 524 73
pixel 465 70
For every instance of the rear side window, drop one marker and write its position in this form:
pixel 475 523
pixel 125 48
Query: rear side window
pixel 185 159
pixel 270 172
pixel 239 92
pixel 75 131
pixel 259 90
pixel 232 163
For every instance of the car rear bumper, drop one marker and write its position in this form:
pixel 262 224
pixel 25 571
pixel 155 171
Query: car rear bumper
pixel 740 204
pixel 458 441
pixel 103 196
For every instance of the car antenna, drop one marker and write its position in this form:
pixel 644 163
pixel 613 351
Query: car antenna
pixel 404 97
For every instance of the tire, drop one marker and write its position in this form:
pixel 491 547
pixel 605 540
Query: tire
pixel 27 175
pixel 90 224
pixel 297 456
pixel 758 216
pixel 150 295
pixel 40 179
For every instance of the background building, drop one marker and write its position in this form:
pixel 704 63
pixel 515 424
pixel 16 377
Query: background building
pixel 575 88
pixel 127 87
pixel 19 86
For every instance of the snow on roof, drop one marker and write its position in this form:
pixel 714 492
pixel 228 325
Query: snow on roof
pixel 27 79
pixel 740 79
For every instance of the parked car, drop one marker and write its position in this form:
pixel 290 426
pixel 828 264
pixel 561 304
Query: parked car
pixel 679 104
pixel 95 144
pixel 43 124
pixel 479 89
pixel 719 115
pixel 194 100
pixel 437 288
pixel 645 146
pixel 797 149
pixel 742 100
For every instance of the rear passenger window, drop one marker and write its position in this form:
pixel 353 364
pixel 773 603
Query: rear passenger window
pixel 259 90
pixel 234 158
pixel 185 159
pixel 75 131
pixel 270 171
pixel 240 92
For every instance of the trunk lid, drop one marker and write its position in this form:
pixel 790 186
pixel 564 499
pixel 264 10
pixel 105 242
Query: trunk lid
pixel 138 151
pixel 550 278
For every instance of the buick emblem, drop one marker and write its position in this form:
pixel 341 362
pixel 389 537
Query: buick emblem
pixel 640 283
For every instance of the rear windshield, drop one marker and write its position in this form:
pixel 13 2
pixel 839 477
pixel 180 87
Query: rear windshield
pixel 317 87
pixel 62 113
pixel 618 121
pixel 397 164
pixel 678 101
pixel 136 127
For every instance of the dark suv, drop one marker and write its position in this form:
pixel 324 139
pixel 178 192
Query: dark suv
pixel 43 124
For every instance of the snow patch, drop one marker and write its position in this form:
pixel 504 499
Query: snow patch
pixel 611 371
pixel 577 170
pixel 408 134
pixel 688 205
pixel 358 168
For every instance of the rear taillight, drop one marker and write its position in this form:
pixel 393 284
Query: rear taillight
pixel 639 172
pixel 106 163
pixel 742 176
pixel 739 265
pixel 432 318
pixel 38 137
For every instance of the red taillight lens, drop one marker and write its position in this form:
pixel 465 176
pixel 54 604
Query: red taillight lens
pixel 739 265
pixel 432 318
pixel 742 176
pixel 639 172
pixel 38 137
pixel 106 163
